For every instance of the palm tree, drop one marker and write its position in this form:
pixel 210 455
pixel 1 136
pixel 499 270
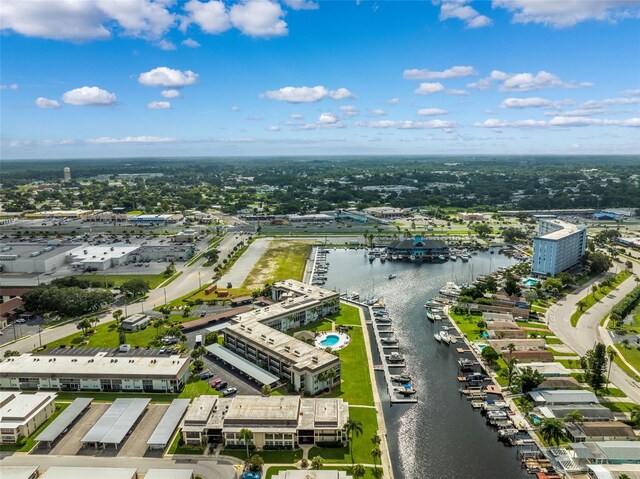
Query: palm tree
pixel 84 326
pixel 160 322
pixel 611 354
pixel 552 431
pixel 317 462
pixel 247 436
pixel 265 390
pixel 594 290
pixel 352 428
pixel 358 471
pixel 375 439
pixel 574 417
pixel 635 415
pixel 511 369
pixel 376 454
pixel 581 305
pixel 117 315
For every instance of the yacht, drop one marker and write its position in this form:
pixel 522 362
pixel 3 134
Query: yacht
pixel 405 391
pixel 401 378
pixel 354 296
pixel 451 289
pixel 389 340
pixel 437 336
pixel 464 257
pixel 392 276
pixel 444 336
pixel 395 357
pixel 465 364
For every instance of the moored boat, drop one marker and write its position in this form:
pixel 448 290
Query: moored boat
pixel 437 336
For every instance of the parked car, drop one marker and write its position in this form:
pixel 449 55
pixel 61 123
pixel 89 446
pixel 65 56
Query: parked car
pixel 221 386
pixel 206 374
pixel 21 320
pixel 229 392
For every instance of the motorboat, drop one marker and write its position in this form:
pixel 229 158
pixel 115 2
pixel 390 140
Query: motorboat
pixel 508 432
pixel 354 296
pixel 444 336
pixel 466 364
pixel 412 257
pixel 383 319
pixel 383 256
pixel 451 289
pixel 401 378
pixel 395 357
pixel 430 315
pixel 442 257
pixel 389 340
pixel 437 336
pixel 497 414
pixel 453 257
pixel 392 276
pixel 405 390
pixel 394 256
pixel 465 257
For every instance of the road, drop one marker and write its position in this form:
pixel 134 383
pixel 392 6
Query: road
pixel 241 269
pixel 190 279
pixel 206 468
pixel 588 330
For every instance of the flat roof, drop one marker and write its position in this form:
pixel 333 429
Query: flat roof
pixel 64 419
pixel 116 422
pixel 244 365
pixel 564 229
pixel 565 396
pixel 214 318
pixel 548 368
pixel 58 472
pixel 300 289
pixel 273 409
pixel 97 365
pixel 201 408
pixel 22 407
pixel 24 250
pixel 19 472
pixel 169 474
pixel 161 435
pixel 102 253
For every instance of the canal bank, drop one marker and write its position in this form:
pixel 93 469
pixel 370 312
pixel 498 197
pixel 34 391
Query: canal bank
pixel 440 436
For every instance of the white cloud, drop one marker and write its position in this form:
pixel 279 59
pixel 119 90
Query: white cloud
pixel 158 105
pixel 429 88
pixel 89 96
pixel 273 128
pixel 140 18
pixel 168 77
pixel 306 94
pixel 47 103
pixel 211 17
pixel 533 102
pixel 235 109
pixel 524 81
pixel 460 10
pixel 171 93
pixel 410 124
pixel 191 43
pixel 432 111
pixel 166 45
pixel 131 139
pixel 12 86
pixel 456 91
pixel 296 116
pixel 394 101
pixel 349 110
pixel 597 104
pixel 258 18
pixel 301 4
pixel 327 119
pixel 567 13
pixel 631 92
pixel 453 72
pixel 557 122
pixel 378 112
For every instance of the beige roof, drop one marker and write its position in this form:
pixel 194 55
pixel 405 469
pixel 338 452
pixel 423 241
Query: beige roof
pixel 23 407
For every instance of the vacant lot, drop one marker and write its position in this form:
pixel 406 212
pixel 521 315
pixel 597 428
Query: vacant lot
pixel 282 260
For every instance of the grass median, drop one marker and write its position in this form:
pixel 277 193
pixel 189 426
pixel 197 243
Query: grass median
pixel 595 296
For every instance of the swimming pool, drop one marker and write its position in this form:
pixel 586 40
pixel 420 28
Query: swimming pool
pixel 530 282
pixel 332 340
pixel 535 419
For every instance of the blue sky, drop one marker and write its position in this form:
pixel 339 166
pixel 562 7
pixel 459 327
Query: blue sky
pixel 102 78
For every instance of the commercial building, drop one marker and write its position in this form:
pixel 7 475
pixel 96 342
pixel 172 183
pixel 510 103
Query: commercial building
pixel 275 421
pixel 101 258
pixel 70 214
pixel 89 369
pixel 34 257
pixel 259 336
pixel 21 414
pixel 65 472
pixel 471 216
pixel 558 247
pixel 185 236
pixel 66 174
pixel 135 322
pixel 386 212
pixel 418 248
pixel 315 218
pixel 154 220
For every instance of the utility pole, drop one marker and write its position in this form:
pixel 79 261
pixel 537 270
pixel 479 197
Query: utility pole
pixel 40 335
pixel 165 295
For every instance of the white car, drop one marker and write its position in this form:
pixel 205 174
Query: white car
pixel 21 321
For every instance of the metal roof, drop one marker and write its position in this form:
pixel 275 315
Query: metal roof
pixel 244 365
pixel 19 472
pixel 169 474
pixel 66 417
pixel 116 422
pixel 60 472
pixel 161 435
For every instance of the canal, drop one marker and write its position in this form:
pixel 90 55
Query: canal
pixel 440 437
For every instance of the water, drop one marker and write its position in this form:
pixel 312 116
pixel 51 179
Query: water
pixel 330 341
pixel 440 437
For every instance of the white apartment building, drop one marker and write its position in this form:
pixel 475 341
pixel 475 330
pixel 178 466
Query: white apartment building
pixel 558 246
pixel 21 414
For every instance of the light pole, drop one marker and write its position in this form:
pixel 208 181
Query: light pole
pixel 40 335
pixel 165 295
pixel 199 280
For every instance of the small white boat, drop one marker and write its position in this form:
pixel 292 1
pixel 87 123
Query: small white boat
pixel 453 257
pixel 405 391
pixel 442 257
pixel 465 257
pixel 412 257
pixel 451 289
pixel 395 357
pixel 392 276
pixel 394 256
pixel 444 336
pixel 437 336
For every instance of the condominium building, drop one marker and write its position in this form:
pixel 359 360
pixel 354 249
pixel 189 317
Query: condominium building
pixel 260 337
pixel 275 421
pixel 95 370
pixel 21 414
pixel 558 246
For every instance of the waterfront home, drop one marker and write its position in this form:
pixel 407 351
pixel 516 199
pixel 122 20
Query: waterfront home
pixel 609 471
pixel 606 452
pixel 518 344
pixel 600 431
pixel 548 370
pixel 590 412
pixel 510 333
pixel 543 356
pixel 563 396
pixel 559 383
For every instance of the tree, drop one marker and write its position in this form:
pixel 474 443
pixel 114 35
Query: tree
pixel 265 390
pixel 594 363
pixel 84 325
pixel 317 462
pixel 170 270
pixel 511 286
pixel 212 255
pixel 197 352
pixel 254 463
pixel 483 230
pixel 134 287
pixel 358 471
pixel 198 364
pixel 246 436
pixel 375 439
pixel 122 337
pixel 529 379
pixel 376 454
pixel 611 354
pixel 582 304
pixel 511 369
pixel 574 417
pixel 159 323
pixel 599 262
pixel 635 415
pixel 211 338
pixel 490 355
pixel 353 429
pixel 552 431
pixel 117 315
pixel 10 353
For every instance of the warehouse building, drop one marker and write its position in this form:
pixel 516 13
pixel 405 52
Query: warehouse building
pixel 155 220
pixel 558 247
pixel 21 414
pixel 34 257
pixel 276 421
pixel 89 369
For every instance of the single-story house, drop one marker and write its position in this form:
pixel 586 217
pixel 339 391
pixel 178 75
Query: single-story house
pixel 559 383
pixel 530 356
pixel 548 370
pixel 600 431
pixel 563 396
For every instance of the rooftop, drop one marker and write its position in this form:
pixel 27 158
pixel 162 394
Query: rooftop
pixel 57 472
pixel 564 396
pixel 303 289
pixel 20 408
pixel 563 229
pixel 27 251
pixel 256 372
pixel 549 369
pixel 615 451
pixel 102 253
pixel 246 410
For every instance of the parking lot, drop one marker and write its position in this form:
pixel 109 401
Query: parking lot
pixel 234 379
pixel 17 330
pixel 136 444
pixel 69 444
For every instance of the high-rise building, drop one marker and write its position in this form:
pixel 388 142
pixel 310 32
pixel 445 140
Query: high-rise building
pixel 66 173
pixel 558 247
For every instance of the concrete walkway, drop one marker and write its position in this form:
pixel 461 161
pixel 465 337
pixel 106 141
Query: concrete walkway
pixel 588 330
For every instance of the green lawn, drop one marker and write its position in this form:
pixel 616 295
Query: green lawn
pixel 289 258
pixel 533 325
pixel 634 326
pixel 117 279
pixel 110 397
pixel 25 444
pixel 612 392
pixel 468 324
pixel 197 387
pixel 592 298
pixel 274 470
pixel 361 445
pixel 553 340
pixel 570 363
pixel 177 447
pixel 559 353
pixel 632 355
pixel 618 406
pixel 135 212
pixel 280 456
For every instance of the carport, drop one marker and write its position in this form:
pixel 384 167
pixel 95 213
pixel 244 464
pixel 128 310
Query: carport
pixel 161 435
pixel 64 420
pixel 116 423
pixel 244 365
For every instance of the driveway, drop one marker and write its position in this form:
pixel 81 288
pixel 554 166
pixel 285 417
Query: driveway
pixel 136 444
